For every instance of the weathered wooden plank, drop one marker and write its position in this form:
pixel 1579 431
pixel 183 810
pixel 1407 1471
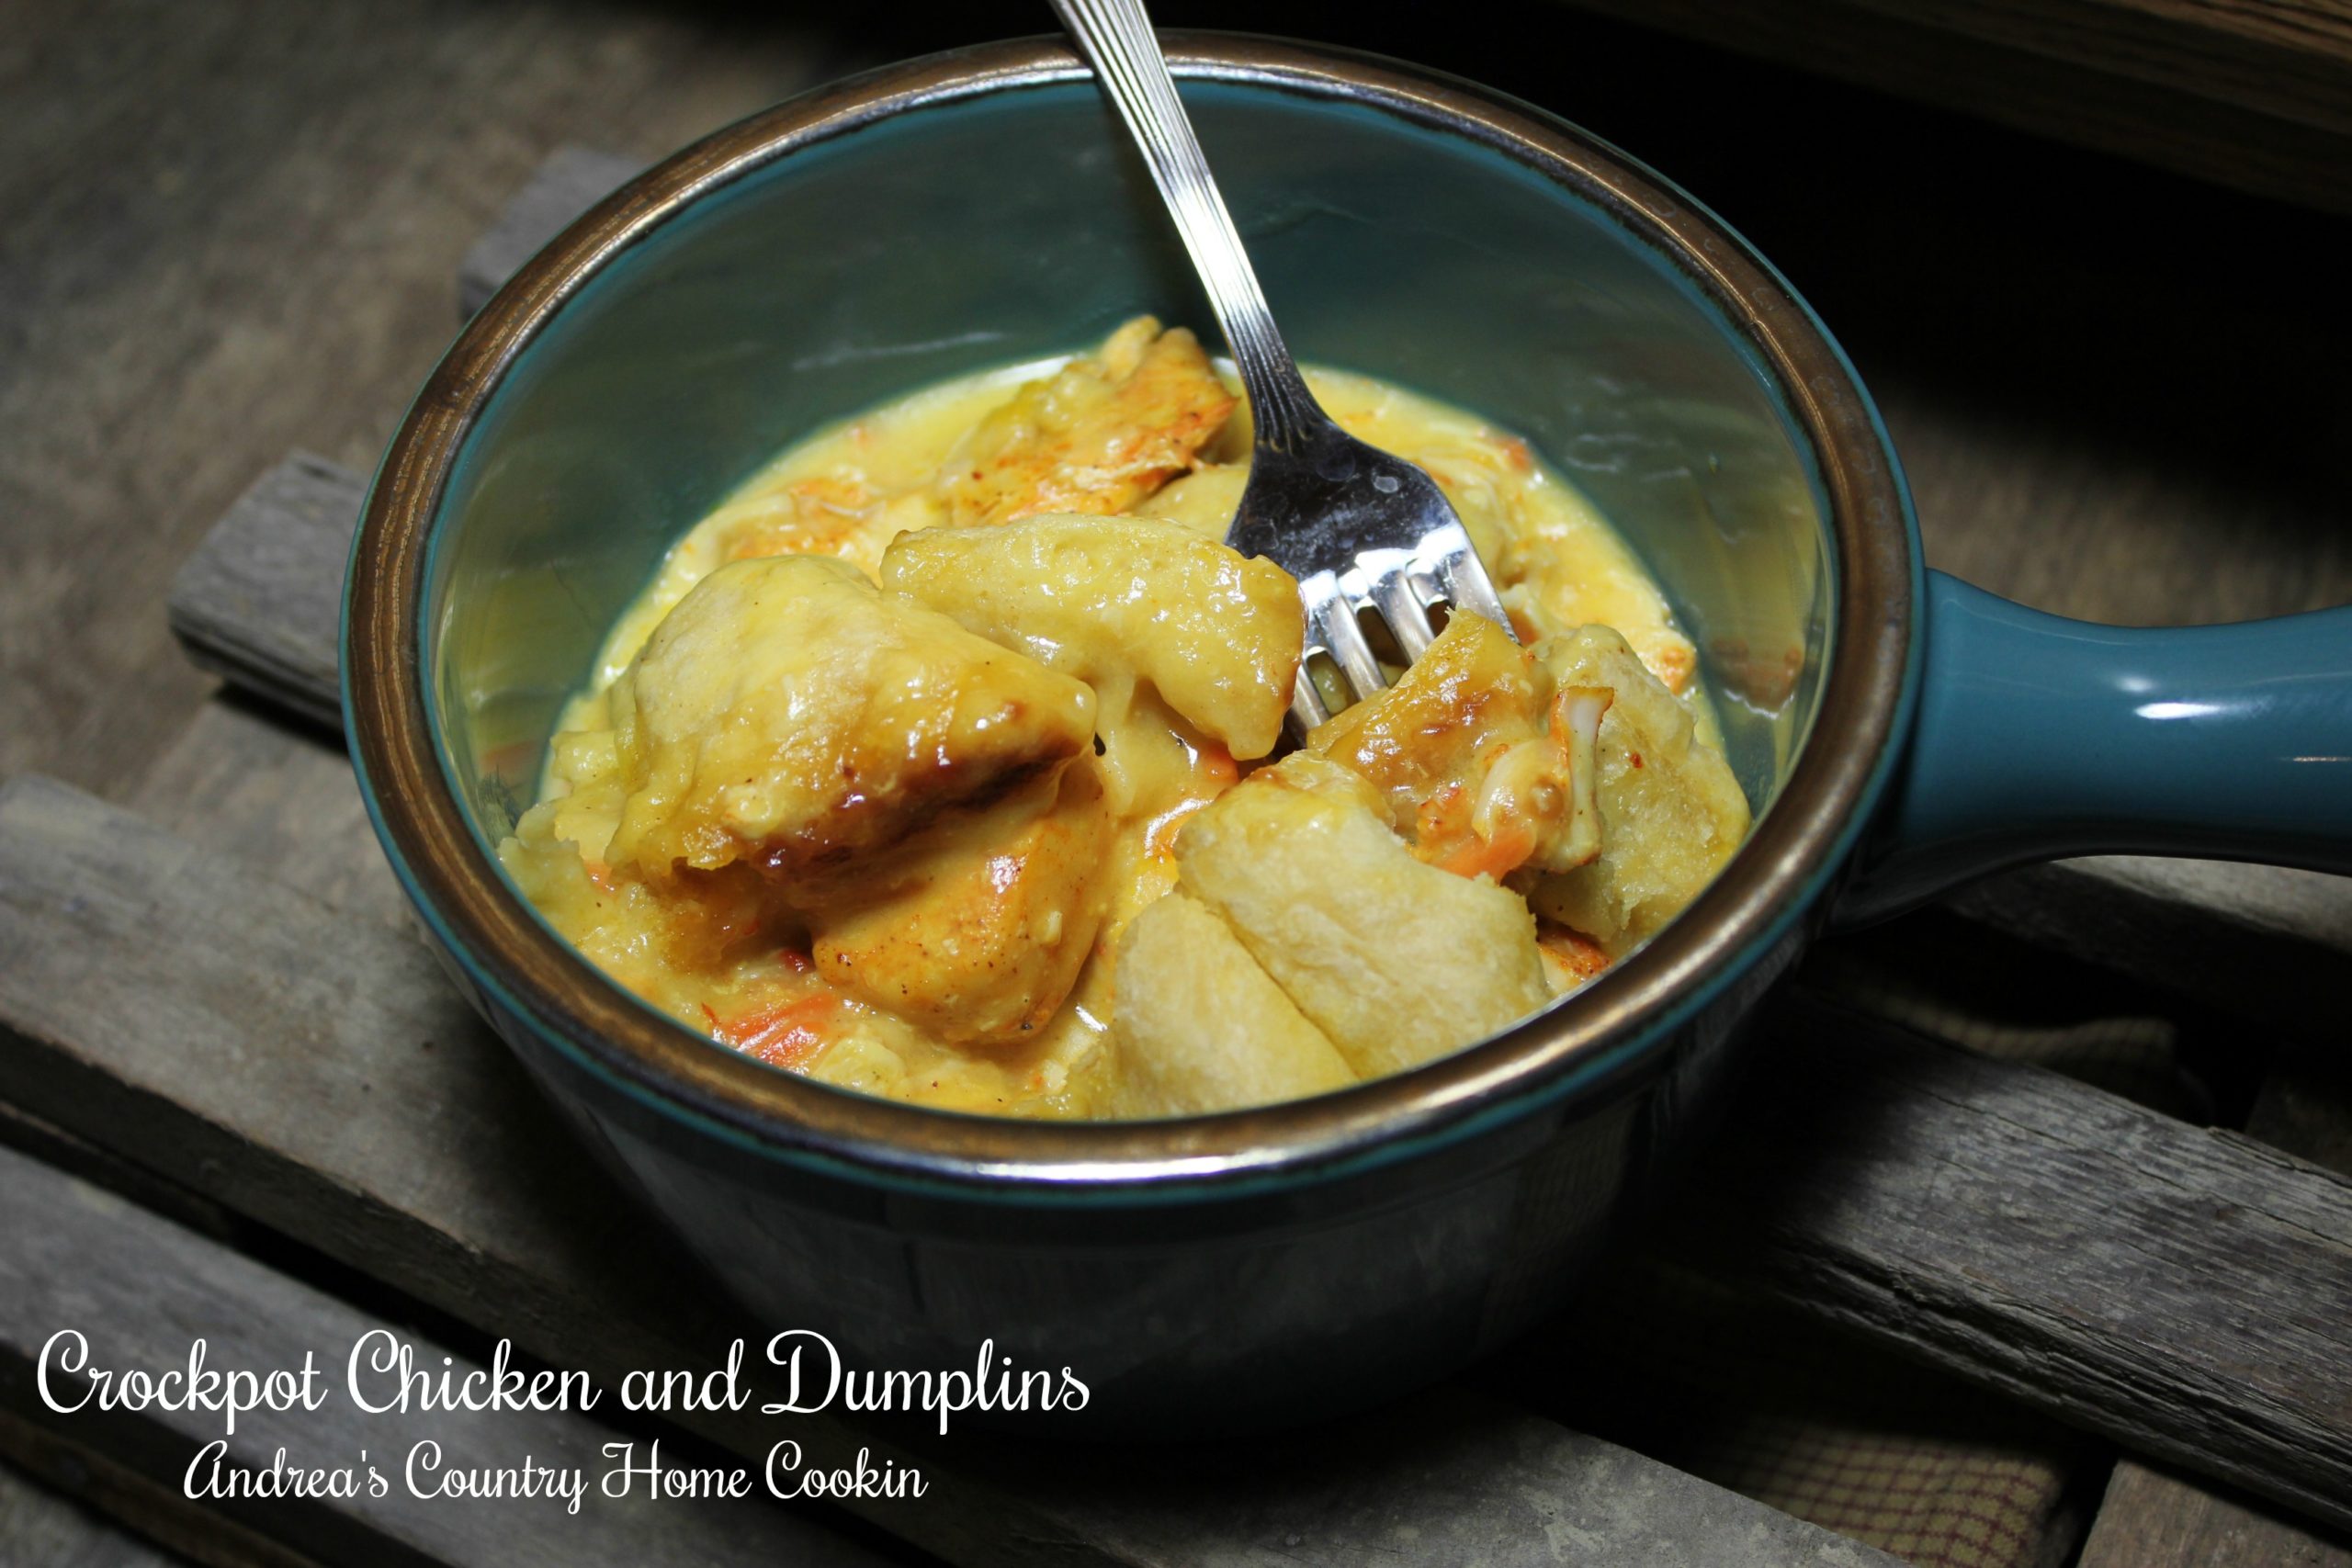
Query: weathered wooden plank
pixel 2260 940
pixel 283 799
pixel 258 601
pixel 2185 1291
pixel 74 1257
pixel 568 183
pixel 316 1074
pixel 40 1526
pixel 2153 1519
pixel 181 308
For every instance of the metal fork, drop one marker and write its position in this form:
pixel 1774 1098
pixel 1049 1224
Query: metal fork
pixel 1362 530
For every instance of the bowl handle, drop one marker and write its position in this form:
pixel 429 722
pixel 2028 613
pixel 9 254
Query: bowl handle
pixel 2039 737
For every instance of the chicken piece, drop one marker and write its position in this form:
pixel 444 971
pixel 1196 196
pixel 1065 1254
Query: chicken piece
pixel 788 713
pixel 1096 436
pixel 1396 961
pixel 1217 634
pixel 973 932
pixel 1485 767
pixel 1200 1027
pixel 1671 814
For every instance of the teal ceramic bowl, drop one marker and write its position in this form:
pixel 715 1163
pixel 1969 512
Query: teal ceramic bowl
pixel 1895 730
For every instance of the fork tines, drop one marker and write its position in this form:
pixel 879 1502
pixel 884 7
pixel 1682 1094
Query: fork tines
pixel 1399 586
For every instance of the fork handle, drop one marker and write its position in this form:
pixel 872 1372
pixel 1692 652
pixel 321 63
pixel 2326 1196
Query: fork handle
pixel 1116 39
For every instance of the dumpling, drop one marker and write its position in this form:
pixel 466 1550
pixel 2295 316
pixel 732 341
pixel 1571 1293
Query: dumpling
pixel 1200 1026
pixel 1396 961
pixel 789 713
pixel 1217 634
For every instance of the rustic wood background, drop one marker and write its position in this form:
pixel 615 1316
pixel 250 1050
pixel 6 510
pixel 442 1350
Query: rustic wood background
pixel 230 231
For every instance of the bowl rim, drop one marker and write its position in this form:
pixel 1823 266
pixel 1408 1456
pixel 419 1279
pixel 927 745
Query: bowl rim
pixel 1587 1045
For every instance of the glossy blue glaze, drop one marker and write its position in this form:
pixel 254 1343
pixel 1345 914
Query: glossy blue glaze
pixel 2039 737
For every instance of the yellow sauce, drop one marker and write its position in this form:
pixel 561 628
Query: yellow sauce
pixel 719 957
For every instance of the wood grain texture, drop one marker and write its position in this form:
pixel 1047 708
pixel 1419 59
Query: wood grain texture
pixel 319 1077
pixel 2182 1289
pixel 246 785
pixel 158 1513
pixel 250 602
pixel 230 231
pixel 2260 942
pixel 72 1255
pixel 259 600
pixel 2278 58
pixel 42 1525
pixel 2152 1517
